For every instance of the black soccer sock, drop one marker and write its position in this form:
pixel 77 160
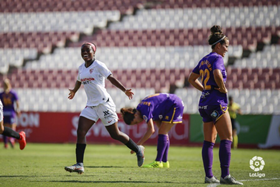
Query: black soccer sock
pixel 132 145
pixel 10 132
pixel 80 150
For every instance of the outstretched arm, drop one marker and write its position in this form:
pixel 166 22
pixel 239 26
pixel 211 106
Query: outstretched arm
pixel 119 85
pixel 73 91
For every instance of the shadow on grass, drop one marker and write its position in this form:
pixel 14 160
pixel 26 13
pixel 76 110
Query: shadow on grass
pixel 101 182
pixel 4 176
pixel 127 182
pixel 76 181
pixel 107 167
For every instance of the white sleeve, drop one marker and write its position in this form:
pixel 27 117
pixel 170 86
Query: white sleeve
pixel 104 70
pixel 78 77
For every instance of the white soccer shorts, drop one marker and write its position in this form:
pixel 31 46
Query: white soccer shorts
pixel 106 112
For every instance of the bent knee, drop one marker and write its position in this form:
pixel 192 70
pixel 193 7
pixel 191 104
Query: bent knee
pixel 115 136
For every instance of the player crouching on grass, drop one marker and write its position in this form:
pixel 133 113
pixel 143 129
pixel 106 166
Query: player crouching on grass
pixel 6 131
pixel 161 109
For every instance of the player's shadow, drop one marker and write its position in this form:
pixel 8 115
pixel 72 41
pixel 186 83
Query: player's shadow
pixel 113 182
pixel 127 182
pixel 8 176
pixel 107 167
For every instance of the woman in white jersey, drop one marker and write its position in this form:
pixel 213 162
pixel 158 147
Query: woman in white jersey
pixel 100 105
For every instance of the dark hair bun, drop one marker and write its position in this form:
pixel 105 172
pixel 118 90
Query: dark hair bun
pixel 216 35
pixel 216 29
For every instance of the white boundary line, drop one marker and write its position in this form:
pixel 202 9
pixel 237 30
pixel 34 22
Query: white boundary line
pixel 217 184
pixel 262 179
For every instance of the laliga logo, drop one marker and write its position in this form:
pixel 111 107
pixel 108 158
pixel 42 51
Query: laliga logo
pixel 257 163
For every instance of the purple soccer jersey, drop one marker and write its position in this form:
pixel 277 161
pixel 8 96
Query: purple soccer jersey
pixel 8 100
pixel 206 67
pixel 162 106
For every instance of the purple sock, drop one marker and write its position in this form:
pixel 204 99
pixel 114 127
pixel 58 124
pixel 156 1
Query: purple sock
pixel 225 154
pixel 161 145
pixel 207 157
pixel 5 139
pixel 165 155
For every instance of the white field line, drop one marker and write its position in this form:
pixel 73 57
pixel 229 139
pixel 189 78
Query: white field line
pixel 269 179
pixel 264 179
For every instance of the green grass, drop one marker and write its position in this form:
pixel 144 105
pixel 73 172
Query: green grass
pixel 113 165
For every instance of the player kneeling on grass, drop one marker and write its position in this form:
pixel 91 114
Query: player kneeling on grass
pixel 161 109
pixel 6 131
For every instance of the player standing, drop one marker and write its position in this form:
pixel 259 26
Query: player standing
pixel 6 131
pixel 92 74
pixel 233 109
pixel 11 109
pixel 161 109
pixel 213 106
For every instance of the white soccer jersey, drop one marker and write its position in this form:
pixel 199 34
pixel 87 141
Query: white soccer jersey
pixel 93 79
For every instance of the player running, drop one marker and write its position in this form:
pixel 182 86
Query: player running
pixel 100 105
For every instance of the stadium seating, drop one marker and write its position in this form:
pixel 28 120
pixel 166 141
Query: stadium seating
pixel 142 57
pixel 269 57
pixel 8 6
pixel 152 50
pixel 49 99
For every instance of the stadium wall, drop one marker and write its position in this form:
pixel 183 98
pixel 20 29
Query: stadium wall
pixel 61 127
pixel 255 131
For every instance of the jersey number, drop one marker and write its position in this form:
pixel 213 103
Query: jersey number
pixel 7 101
pixel 205 74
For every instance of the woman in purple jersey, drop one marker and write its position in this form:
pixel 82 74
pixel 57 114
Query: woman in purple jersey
pixel 162 109
pixel 11 109
pixel 213 106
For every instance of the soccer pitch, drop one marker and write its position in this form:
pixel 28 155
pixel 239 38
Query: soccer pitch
pixel 113 165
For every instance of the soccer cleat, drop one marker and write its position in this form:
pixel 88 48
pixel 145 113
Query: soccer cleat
pixel 22 140
pixel 75 168
pixel 6 146
pixel 154 164
pixel 229 180
pixel 166 164
pixel 140 156
pixel 211 180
